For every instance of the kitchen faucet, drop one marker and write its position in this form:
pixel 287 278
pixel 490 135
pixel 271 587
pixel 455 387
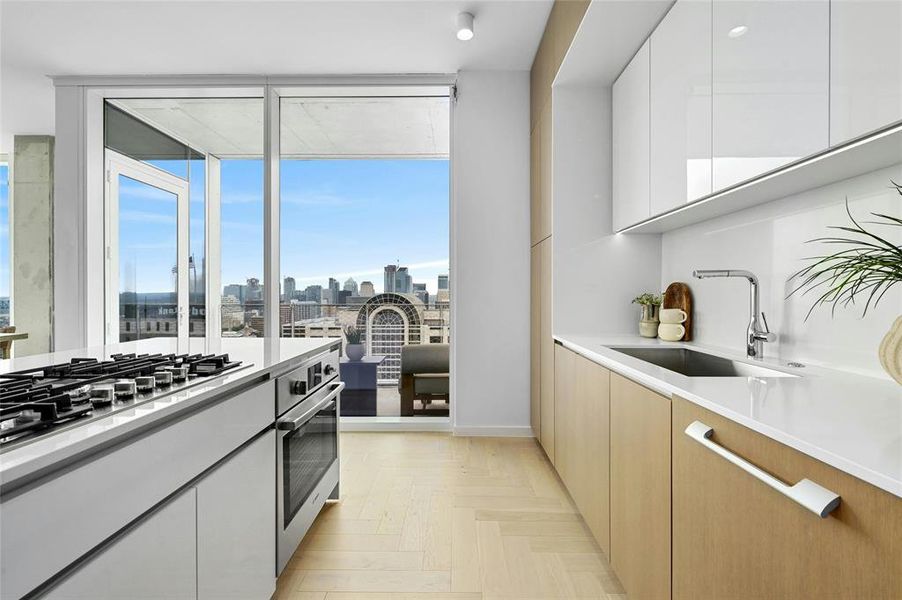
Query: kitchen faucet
pixel 755 336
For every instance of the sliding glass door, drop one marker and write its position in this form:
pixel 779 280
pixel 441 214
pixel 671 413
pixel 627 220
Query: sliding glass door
pixel 147 258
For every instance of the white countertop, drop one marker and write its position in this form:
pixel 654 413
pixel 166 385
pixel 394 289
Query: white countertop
pixel 260 359
pixel 849 421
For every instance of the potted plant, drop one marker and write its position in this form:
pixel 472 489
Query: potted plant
pixel 353 345
pixel 648 319
pixel 865 268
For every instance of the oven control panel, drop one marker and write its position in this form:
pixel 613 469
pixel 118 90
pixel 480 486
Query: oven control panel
pixel 306 378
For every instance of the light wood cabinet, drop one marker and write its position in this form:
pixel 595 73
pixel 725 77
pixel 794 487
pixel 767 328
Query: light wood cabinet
pixel 541 206
pixel 631 142
pixel 680 100
pixel 546 350
pixel 734 537
pixel 535 191
pixel 640 489
pixel 865 67
pixel 541 403
pixel 535 335
pixel 770 85
pixel 582 438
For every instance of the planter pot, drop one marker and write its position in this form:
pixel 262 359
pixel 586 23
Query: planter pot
pixel 891 351
pixel 355 351
pixel 648 322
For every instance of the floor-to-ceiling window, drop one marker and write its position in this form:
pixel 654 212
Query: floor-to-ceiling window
pixel 168 282
pixel 242 247
pixel 4 243
pixel 364 187
pixel 364 209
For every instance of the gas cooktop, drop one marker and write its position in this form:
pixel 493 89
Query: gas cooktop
pixel 38 401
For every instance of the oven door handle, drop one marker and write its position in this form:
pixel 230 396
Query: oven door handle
pixel 292 424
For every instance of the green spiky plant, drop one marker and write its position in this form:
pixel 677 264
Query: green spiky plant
pixel 353 335
pixel 867 267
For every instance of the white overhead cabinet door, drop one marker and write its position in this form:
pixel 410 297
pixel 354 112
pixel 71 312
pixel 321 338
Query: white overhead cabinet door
pixel 630 108
pixel 865 67
pixel 681 106
pixel 771 67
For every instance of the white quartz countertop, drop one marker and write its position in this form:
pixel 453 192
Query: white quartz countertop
pixel 849 421
pixel 261 359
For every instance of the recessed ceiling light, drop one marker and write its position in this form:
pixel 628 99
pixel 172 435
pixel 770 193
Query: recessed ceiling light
pixel 738 31
pixel 465 26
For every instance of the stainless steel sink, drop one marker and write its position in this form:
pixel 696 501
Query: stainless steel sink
pixel 693 363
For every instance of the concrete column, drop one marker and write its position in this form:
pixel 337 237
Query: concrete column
pixel 31 235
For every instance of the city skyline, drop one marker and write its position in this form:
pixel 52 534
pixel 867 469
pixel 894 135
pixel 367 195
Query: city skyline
pixel 339 218
pixel 440 282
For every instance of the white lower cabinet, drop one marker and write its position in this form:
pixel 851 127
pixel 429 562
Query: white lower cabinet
pixel 217 540
pixel 236 516
pixel 155 559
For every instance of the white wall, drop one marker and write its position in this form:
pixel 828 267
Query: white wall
pixel 490 232
pixel 596 273
pixel 769 240
pixel 26 103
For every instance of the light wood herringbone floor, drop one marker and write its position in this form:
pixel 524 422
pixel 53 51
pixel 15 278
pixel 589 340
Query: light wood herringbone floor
pixel 432 516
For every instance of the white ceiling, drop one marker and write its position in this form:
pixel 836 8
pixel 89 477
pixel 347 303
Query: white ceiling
pixel 264 37
pixel 246 37
pixel 380 127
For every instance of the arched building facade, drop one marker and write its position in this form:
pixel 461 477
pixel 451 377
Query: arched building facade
pixel 389 321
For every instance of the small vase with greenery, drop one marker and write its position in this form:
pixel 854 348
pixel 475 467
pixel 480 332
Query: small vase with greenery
pixel 866 267
pixel 353 343
pixel 648 321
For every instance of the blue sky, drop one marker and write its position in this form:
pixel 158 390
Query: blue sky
pixel 340 218
pixel 4 230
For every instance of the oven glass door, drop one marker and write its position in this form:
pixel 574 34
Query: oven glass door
pixel 307 453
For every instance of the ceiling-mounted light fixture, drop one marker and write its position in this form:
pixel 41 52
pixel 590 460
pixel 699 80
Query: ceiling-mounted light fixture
pixel 465 26
pixel 738 31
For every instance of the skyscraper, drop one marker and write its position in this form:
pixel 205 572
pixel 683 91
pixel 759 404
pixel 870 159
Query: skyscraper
pixel 313 293
pixel 443 296
pixel 288 288
pixel 419 290
pixel 333 290
pixel 351 286
pixel 403 281
pixel 254 290
pixel 367 289
pixel 390 278
pixel 237 290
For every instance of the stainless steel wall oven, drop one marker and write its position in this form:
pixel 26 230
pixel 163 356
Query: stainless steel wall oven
pixel 307 453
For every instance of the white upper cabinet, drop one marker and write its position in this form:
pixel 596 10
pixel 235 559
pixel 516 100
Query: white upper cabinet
pixel 680 117
pixel 770 84
pixel 631 143
pixel 865 67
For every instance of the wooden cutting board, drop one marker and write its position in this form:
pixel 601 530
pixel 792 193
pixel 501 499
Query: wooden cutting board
pixel 678 295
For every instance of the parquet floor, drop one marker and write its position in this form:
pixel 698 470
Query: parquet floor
pixel 428 516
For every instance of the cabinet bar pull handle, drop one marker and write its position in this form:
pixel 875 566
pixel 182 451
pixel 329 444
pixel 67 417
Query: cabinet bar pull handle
pixel 815 498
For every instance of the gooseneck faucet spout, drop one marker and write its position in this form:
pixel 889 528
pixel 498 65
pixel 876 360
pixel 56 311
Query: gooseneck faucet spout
pixel 755 334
